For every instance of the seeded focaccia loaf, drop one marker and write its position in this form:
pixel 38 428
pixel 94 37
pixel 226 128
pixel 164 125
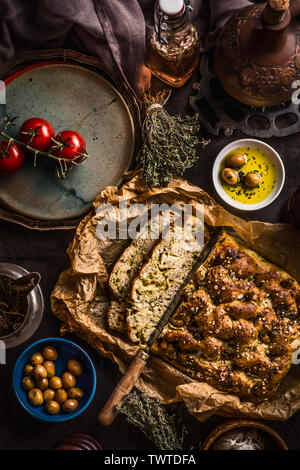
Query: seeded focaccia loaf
pixel 128 266
pixel 238 324
pixel 161 277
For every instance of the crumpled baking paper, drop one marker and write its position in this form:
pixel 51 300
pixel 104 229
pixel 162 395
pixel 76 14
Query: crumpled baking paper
pixel 80 298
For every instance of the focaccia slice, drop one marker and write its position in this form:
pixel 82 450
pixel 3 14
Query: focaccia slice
pixel 161 277
pixel 128 266
pixel 116 316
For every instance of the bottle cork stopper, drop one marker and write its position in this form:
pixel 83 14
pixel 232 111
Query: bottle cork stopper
pixel 171 7
pixel 279 5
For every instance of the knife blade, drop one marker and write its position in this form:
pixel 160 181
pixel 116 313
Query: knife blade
pixel 177 298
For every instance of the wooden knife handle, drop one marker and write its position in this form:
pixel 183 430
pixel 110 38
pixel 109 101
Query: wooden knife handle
pixel 126 384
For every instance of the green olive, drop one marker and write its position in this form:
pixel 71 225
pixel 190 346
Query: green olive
pixel 237 160
pixel 50 368
pixel 48 395
pixel 75 367
pixel 75 392
pixel 70 405
pixel 55 383
pixel 61 396
pixel 28 370
pixel 68 380
pixel 36 359
pixel 42 384
pixel 28 383
pixel 230 176
pixel 52 407
pixel 39 372
pixel 252 179
pixel 50 353
pixel 35 397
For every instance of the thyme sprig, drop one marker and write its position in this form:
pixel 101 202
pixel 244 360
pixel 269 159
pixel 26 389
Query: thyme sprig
pixel 169 142
pixel 153 421
pixel 64 165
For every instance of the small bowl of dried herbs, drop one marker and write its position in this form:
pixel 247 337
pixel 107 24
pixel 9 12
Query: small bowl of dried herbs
pixel 21 304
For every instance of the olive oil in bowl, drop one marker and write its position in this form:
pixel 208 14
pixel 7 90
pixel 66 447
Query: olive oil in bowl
pixel 257 161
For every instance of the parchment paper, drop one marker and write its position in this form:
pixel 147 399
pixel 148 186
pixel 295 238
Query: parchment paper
pixel 80 298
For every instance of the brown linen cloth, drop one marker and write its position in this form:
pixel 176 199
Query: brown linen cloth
pixel 113 30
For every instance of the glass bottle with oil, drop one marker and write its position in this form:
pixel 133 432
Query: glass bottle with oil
pixel 174 50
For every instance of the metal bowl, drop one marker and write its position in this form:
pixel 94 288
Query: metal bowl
pixel 35 308
pixel 272 154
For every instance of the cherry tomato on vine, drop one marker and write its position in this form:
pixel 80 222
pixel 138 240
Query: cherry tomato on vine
pixel 37 133
pixel 69 144
pixel 12 157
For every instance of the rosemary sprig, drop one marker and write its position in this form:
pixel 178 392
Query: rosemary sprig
pixel 64 165
pixel 169 142
pixel 153 421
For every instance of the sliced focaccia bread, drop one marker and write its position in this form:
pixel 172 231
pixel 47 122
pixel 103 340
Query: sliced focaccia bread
pixel 161 277
pixel 128 265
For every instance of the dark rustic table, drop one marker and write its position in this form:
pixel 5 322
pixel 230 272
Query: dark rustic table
pixel 45 252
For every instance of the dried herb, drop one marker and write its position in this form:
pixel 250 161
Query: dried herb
pixel 64 165
pixel 153 421
pixel 169 142
pixel 12 308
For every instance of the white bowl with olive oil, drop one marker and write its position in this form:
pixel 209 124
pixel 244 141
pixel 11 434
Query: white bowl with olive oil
pixel 252 178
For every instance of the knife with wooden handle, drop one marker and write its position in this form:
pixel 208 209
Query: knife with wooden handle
pixel 132 374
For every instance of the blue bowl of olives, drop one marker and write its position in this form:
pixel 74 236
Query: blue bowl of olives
pixel 54 380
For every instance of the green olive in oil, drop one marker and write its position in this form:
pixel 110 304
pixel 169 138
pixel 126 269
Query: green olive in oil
pixel 257 161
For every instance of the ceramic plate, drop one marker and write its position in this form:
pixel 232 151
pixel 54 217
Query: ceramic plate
pixel 70 97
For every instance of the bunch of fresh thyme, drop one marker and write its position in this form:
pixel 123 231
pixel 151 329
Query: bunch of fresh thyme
pixel 169 142
pixel 153 421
